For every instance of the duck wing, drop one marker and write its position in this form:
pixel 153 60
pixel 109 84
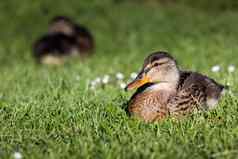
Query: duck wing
pixel 195 91
pixel 187 100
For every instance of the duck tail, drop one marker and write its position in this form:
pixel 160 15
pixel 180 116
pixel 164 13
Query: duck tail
pixel 224 89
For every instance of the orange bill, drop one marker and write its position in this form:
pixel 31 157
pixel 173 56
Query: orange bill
pixel 138 83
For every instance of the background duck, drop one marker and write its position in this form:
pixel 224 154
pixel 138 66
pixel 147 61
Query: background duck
pixel 164 89
pixel 64 39
pixel 63 24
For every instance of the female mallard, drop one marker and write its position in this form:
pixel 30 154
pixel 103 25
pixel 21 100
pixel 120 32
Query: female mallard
pixel 165 90
pixel 64 39
pixel 84 38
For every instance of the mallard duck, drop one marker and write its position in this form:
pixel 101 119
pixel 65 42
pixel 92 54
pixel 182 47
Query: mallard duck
pixel 163 89
pixel 64 39
pixel 63 24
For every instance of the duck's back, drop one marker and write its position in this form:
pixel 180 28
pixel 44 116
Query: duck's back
pixel 195 91
pixel 211 88
pixel 57 44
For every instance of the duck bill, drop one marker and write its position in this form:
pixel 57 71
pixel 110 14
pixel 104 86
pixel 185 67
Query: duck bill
pixel 138 82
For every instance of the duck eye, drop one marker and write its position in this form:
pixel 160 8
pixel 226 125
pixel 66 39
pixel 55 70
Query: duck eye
pixel 159 64
pixel 156 64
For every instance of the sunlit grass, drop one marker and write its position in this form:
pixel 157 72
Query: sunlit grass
pixel 51 112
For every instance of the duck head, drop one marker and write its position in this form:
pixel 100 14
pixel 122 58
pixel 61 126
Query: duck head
pixel 159 68
pixel 61 24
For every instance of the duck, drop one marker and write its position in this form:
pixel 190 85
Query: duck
pixel 84 38
pixel 163 89
pixel 64 39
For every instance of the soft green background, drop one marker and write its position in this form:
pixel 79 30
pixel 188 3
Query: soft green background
pixel 47 112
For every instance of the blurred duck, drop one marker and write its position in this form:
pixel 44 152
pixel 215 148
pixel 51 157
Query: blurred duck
pixel 64 39
pixel 164 89
pixel 84 38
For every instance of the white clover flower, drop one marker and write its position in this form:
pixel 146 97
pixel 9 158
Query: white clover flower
pixel 17 155
pixel 122 85
pixel 216 68
pixel 133 75
pixel 231 68
pixel 98 80
pixel 105 79
pixel 93 83
pixel 119 76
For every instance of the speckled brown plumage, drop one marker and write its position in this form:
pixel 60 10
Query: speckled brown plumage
pixel 83 37
pixel 197 90
pixel 187 100
pixel 63 39
pixel 149 106
pixel 177 92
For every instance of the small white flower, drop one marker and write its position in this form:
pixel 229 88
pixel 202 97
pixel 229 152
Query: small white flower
pixel 231 68
pixel 93 83
pixel 122 85
pixel 105 79
pixel 98 80
pixel 17 155
pixel 133 75
pixel 119 76
pixel 216 68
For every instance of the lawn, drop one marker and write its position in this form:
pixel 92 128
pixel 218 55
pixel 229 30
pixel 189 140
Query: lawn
pixel 51 112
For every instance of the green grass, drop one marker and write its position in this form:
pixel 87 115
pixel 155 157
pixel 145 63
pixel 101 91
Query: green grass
pixel 46 112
